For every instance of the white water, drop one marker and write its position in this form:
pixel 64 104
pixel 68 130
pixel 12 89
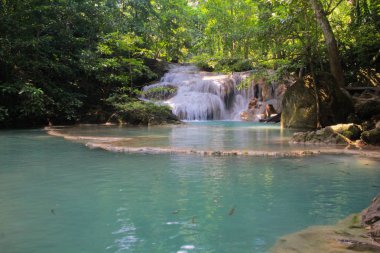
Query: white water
pixel 203 95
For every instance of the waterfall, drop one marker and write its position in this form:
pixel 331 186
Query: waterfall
pixel 197 95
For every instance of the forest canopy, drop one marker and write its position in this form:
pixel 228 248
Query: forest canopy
pixel 64 60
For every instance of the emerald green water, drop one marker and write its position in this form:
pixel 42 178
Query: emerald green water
pixel 59 196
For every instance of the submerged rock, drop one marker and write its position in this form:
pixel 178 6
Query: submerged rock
pixel 299 103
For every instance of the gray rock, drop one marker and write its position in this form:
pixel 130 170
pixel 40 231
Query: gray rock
pixel 299 104
pixel 371 215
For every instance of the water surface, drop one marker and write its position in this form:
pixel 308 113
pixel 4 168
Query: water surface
pixel 59 196
pixel 216 135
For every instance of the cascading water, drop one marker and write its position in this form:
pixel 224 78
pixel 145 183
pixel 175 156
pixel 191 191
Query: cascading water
pixel 197 95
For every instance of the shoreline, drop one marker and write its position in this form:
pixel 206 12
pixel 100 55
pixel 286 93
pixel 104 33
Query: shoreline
pixel 111 144
pixel 343 237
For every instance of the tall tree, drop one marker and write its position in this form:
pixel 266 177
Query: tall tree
pixel 331 44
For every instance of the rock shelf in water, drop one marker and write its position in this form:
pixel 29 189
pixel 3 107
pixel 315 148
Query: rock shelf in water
pixel 344 237
pixel 356 233
pixel 112 144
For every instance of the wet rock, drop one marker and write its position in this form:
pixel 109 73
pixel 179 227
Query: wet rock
pixel 252 103
pixel 246 116
pixel 371 215
pixel 299 103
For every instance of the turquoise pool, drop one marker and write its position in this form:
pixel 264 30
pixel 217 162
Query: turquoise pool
pixel 59 196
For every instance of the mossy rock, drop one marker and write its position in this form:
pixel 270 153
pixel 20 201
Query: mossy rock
pixel 299 103
pixel 371 136
pixel 351 131
pixel 337 134
pixel 326 135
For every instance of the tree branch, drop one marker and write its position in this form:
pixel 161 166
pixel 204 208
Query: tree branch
pixel 332 10
pixel 329 5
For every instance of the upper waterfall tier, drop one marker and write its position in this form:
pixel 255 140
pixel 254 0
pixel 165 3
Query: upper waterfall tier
pixel 197 95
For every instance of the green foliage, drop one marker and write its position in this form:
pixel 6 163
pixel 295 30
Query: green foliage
pixel 284 36
pixel 159 93
pixel 233 65
pixel 118 61
pixel 222 64
pixel 59 59
pixel 204 61
pixel 138 112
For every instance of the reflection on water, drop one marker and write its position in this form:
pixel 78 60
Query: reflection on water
pixel 220 135
pixel 209 138
pixel 112 202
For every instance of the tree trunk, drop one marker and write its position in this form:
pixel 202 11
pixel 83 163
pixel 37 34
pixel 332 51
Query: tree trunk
pixel 332 48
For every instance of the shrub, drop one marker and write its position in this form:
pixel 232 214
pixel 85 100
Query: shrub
pixel 137 112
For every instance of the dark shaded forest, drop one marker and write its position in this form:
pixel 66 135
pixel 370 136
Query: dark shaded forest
pixel 68 61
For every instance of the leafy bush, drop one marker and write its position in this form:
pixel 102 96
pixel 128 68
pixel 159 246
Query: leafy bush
pixel 233 65
pixel 136 112
pixel 221 63
pixel 204 62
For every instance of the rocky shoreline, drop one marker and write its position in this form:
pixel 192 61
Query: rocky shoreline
pixel 356 233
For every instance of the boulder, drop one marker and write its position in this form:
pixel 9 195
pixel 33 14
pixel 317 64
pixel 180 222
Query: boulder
pixel 337 134
pixel 351 131
pixel 323 136
pixel 371 220
pixel 372 136
pixel 371 215
pixel 299 103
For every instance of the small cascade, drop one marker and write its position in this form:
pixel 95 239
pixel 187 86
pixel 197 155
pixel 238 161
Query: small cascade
pixel 197 95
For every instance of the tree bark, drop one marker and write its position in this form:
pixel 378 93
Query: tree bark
pixel 330 41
